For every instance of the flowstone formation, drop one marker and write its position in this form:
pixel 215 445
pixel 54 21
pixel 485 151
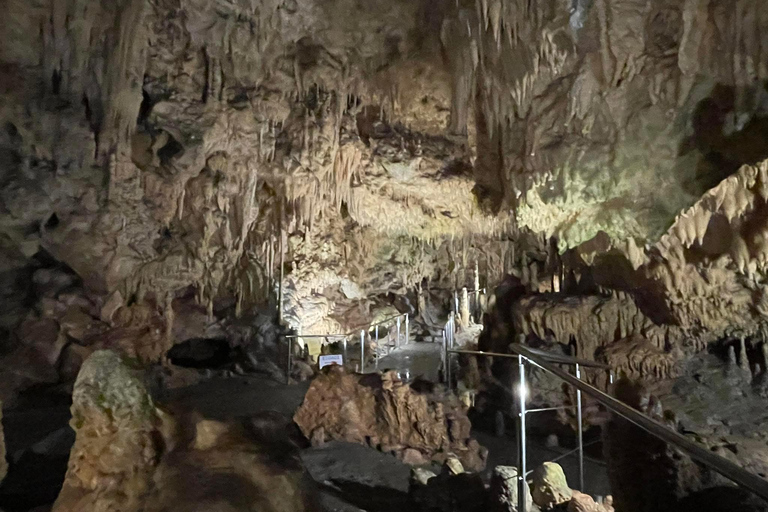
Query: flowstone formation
pixel 385 413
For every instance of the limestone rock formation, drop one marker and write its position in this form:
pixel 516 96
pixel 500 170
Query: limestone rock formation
pixel 130 456
pixel 387 414
pixel 581 502
pixel 230 466
pixel 115 451
pixel 201 162
pixel 549 487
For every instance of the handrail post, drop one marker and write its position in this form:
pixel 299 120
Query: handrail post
pixel 456 302
pixel 521 452
pixel 547 362
pixel 288 370
pixel 397 338
pixel 451 329
pixel 377 347
pixel 580 431
pixel 362 351
pixel 445 357
pixel 345 351
pixel 407 330
pixel 448 379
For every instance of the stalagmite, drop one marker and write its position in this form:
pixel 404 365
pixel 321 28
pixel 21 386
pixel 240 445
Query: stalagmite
pixel 464 316
pixel 731 355
pixel 743 359
pixel 764 350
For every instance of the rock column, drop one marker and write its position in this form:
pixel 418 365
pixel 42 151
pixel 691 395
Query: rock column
pixel 464 308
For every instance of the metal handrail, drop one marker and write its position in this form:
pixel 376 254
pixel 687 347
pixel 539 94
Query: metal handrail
pixel 345 337
pixel 547 356
pixel 523 354
pixel 552 358
pixel 719 464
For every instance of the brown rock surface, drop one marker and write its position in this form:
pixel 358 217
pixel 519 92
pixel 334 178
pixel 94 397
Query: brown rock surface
pixel 115 451
pixel 129 456
pixel 385 413
pixel 581 502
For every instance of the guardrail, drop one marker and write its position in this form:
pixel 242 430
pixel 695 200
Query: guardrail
pixel 548 362
pixel 397 320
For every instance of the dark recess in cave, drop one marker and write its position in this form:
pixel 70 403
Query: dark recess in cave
pixel 725 148
pixel 201 353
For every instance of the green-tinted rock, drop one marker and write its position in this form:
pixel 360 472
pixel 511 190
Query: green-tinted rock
pixel 550 487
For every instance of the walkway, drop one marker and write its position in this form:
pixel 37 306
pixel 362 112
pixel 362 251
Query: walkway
pixel 417 358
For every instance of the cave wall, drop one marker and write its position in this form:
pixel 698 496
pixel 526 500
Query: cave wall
pixel 157 157
pixel 165 163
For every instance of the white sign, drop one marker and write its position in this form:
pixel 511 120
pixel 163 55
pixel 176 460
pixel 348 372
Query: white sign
pixel 331 359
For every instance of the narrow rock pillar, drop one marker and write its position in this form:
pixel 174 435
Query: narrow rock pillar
pixel 464 317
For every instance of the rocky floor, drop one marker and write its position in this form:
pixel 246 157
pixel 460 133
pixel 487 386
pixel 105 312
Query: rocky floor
pixel 350 477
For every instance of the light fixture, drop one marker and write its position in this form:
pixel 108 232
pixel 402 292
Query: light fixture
pixel 522 392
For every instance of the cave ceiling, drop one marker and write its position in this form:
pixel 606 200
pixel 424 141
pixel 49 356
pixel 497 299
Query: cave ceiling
pixel 161 149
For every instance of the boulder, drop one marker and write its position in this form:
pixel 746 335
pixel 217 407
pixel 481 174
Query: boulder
pixel 43 336
pixel 230 466
pixel 447 492
pixel 503 493
pixel 550 488
pixel 420 476
pixel 581 502
pixel 414 457
pixel 129 456
pixel 453 466
pixel 50 281
pixel 381 411
pixel 115 451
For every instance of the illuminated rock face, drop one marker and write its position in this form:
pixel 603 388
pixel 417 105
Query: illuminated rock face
pixel 114 456
pixel 196 157
pixel 387 414
pixel 184 164
pixel 592 108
